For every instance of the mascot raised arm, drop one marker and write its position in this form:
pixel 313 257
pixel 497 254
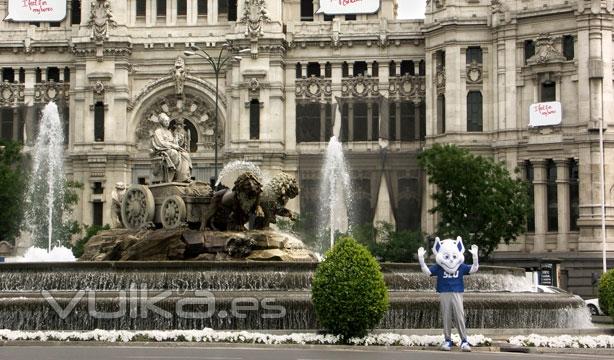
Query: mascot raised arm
pixel 450 269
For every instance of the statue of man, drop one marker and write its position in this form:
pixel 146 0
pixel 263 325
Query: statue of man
pixel 117 196
pixel 176 158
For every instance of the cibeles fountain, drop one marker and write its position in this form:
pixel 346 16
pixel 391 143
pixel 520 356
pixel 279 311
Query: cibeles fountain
pixel 186 256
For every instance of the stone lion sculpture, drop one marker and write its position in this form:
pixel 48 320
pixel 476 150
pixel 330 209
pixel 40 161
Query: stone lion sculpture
pixel 275 196
pixel 231 209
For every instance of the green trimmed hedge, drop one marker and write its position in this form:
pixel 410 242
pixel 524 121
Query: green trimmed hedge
pixel 348 290
pixel 606 292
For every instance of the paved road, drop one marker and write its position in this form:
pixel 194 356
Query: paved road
pixel 180 352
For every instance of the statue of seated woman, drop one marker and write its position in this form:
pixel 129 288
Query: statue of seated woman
pixel 176 158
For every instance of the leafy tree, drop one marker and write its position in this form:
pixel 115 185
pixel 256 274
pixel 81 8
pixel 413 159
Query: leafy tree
pixel 388 244
pixel 90 231
pixel 475 198
pixel 12 189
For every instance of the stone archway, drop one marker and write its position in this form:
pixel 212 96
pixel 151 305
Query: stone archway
pixel 193 110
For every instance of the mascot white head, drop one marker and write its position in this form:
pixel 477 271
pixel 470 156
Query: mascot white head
pixel 449 254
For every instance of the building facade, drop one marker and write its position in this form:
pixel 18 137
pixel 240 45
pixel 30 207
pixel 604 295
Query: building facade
pixel 466 74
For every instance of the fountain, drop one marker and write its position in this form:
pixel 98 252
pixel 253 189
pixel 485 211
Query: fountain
pixel 183 262
pixel 335 190
pixel 46 184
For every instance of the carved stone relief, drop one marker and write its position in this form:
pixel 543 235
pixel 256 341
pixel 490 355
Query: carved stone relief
pixel 545 52
pixel 101 19
pixel 254 17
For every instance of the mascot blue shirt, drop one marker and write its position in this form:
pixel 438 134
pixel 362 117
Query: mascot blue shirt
pixel 450 282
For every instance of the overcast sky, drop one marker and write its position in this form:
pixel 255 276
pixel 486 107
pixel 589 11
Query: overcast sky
pixel 411 9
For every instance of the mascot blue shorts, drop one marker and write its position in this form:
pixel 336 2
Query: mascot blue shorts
pixel 450 269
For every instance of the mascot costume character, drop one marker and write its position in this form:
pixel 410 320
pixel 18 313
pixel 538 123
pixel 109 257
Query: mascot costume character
pixel 450 269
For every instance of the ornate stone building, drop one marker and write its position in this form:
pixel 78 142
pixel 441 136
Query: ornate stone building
pixel 466 74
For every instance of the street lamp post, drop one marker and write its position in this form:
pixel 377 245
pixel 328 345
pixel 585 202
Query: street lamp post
pixel 217 63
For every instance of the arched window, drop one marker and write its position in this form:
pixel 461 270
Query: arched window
pixel 474 111
pixel 328 70
pixel 407 67
pixel 392 69
pixel 360 68
pixel 299 71
pixel 375 69
pixel 422 68
pixel 529 50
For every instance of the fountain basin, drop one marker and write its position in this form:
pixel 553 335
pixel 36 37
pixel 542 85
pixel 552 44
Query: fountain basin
pixel 249 296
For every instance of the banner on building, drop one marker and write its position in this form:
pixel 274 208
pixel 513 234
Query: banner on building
pixel 340 7
pixel 545 114
pixel 36 10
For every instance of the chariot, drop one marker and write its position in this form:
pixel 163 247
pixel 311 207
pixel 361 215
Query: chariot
pixel 167 205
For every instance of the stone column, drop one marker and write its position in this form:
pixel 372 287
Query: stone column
pixel 29 101
pixel 540 184
pixel 212 12
pixel 562 191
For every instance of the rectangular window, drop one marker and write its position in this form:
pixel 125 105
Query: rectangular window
pixel 97 213
pixel 422 121
pixel 22 75
pixel 222 6
pixel 53 74
pixel 529 50
pixel 7 123
pixel 441 114
pixel 392 121
pixel 574 195
pixel 141 8
pixel 66 74
pixel 474 111
pixel 440 58
pixel 422 68
pixel 374 121
pixel 182 8
pixel 307 10
pixel 98 189
pixel 345 69
pixel 232 10
pixel 308 122
pixel 568 47
pixel 161 8
pixel 530 177
pixel 254 119
pixel 553 213
pixel 345 112
pixel 548 91
pixel 8 74
pixel 407 68
pixel 202 7
pixel 328 17
pixel 360 68
pixel 328 132
pixel 350 17
pixel 408 117
pixel 360 121
pixel 313 69
pixel 375 69
pixel 99 121
pixel 75 12
pixel 474 54
pixel 38 75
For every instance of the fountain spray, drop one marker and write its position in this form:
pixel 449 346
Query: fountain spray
pixel 47 176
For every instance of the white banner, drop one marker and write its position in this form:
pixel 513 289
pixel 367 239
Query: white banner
pixel 340 7
pixel 545 114
pixel 36 10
